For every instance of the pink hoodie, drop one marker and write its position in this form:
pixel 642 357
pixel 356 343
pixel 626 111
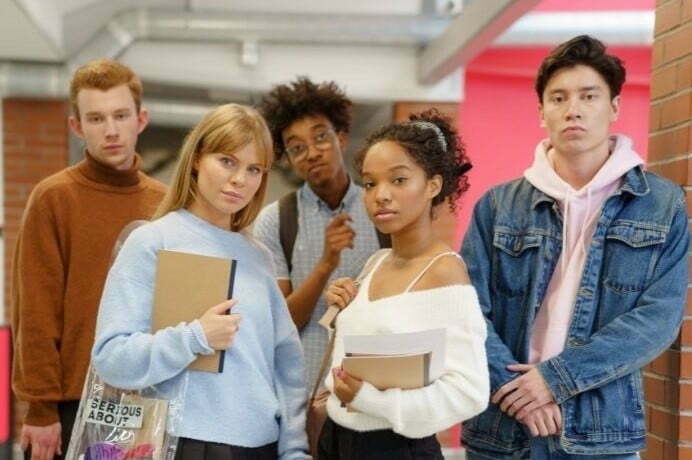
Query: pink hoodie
pixel 580 212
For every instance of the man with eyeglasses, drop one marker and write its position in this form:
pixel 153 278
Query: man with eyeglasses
pixel 310 123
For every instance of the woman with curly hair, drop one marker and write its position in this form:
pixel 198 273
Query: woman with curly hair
pixel 409 170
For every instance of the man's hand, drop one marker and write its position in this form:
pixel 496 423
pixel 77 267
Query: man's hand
pixel 345 387
pixel 44 441
pixel 338 235
pixel 544 421
pixel 523 394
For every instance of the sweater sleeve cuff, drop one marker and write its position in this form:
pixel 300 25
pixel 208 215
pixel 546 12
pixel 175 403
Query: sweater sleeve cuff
pixel 198 340
pixel 42 413
pixel 558 379
pixel 371 401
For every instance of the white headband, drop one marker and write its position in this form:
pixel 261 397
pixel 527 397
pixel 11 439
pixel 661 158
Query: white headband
pixel 429 125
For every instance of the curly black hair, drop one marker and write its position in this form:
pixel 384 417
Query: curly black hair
pixel 302 98
pixel 447 158
pixel 584 50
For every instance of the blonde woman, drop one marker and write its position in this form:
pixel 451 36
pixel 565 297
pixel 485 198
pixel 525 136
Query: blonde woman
pixel 256 407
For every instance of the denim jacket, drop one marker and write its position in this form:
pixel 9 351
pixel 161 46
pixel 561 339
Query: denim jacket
pixel 628 308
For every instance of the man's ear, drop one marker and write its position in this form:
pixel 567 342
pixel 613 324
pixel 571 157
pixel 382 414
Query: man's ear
pixel 142 119
pixel 342 137
pixel 540 115
pixel 434 186
pixel 75 126
pixel 615 107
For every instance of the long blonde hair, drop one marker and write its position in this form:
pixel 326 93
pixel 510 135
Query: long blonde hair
pixel 225 129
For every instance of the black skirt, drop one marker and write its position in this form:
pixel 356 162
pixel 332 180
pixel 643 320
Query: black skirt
pixel 191 449
pixel 340 443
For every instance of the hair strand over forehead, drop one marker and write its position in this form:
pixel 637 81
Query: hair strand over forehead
pixel 445 157
pixel 301 98
pixel 104 74
pixel 582 50
pixel 226 129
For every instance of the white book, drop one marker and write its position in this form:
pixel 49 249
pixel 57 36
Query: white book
pixel 431 342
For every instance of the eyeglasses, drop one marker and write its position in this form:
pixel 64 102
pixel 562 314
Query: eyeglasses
pixel 323 140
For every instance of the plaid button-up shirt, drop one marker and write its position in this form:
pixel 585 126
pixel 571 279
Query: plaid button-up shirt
pixel 313 217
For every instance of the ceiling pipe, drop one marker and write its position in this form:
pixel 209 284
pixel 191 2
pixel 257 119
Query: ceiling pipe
pixel 175 114
pixel 52 80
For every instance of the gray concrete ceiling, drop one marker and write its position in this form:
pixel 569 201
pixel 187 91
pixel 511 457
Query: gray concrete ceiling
pixel 192 53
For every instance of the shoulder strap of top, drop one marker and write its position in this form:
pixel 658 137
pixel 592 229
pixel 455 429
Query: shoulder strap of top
pixel 369 269
pixel 425 269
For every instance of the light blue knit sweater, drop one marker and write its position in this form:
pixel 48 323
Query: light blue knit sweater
pixel 260 396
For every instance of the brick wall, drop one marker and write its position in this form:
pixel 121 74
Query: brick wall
pixel 668 380
pixel 35 145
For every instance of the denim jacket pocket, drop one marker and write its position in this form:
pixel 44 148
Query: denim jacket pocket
pixel 514 260
pixel 494 430
pixel 632 250
pixel 607 412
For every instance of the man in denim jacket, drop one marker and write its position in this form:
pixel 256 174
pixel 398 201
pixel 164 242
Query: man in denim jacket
pixel 581 271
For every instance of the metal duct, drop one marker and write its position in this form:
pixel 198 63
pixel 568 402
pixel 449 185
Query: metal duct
pixel 51 80
pixel 175 114
pixel 33 80
pixel 289 28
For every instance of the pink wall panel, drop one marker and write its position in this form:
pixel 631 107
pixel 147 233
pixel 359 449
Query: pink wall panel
pixel 4 384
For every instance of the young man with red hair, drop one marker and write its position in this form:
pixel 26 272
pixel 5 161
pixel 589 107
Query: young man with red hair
pixel 71 221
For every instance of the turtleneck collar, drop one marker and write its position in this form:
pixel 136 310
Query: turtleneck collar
pixel 102 174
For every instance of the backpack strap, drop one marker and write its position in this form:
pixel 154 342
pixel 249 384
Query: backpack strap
pixel 288 225
pixel 288 228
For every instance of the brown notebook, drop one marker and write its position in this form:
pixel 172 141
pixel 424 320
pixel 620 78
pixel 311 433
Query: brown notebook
pixel 187 285
pixel 390 371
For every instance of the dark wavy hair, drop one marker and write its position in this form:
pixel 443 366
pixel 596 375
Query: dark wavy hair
pixel 301 98
pixel 423 145
pixel 584 50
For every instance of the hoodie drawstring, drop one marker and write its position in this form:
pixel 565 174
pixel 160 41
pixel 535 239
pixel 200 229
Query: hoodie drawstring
pixel 585 220
pixel 565 229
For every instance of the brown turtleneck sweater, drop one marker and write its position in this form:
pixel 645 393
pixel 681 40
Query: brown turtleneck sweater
pixel 61 260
